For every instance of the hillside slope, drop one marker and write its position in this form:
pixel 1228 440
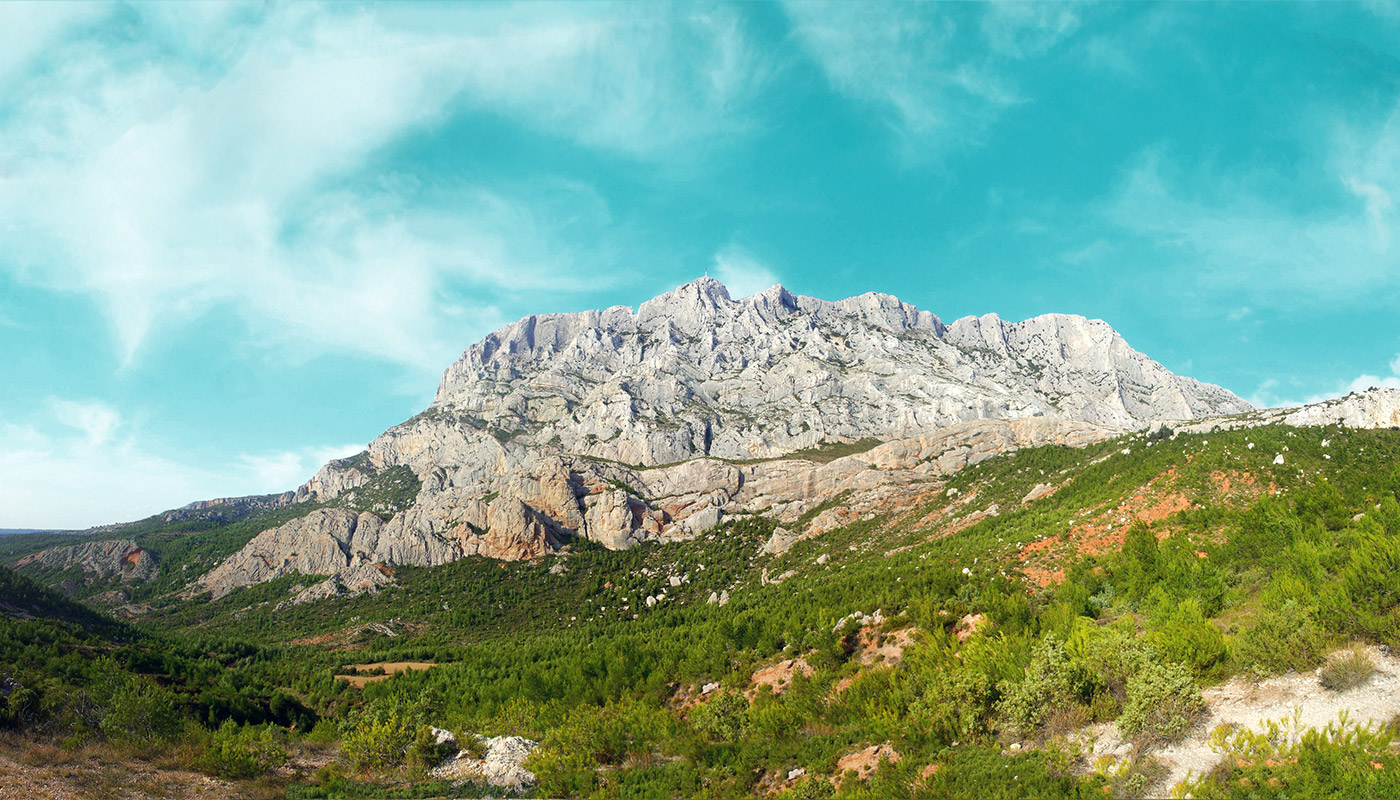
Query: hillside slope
pixel 622 427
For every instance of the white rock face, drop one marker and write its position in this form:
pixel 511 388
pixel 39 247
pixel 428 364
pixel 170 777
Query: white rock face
pixel 1375 408
pixel 694 372
pixel 119 558
pixel 502 766
pixel 626 427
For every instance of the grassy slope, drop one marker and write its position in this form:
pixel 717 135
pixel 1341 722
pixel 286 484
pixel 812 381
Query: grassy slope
pixel 513 634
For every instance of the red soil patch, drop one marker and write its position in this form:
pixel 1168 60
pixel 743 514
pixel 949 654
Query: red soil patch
pixel 888 648
pixel 969 625
pixel 865 762
pixel 779 676
pixel 1151 503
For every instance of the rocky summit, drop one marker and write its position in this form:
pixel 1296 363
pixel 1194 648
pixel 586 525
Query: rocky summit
pixel 623 426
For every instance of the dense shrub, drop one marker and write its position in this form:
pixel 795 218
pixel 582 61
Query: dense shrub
pixel 138 712
pixel 377 740
pixel 984 772
pixel 1347 669
pixel 723 718
pixel 1282 638
pixel 1342 760
pixel 954 708
pixel 236 751
pixel 1111 655
pixel 1051 681
pixel 592 736
pixel 1163 702
pixel 1181 633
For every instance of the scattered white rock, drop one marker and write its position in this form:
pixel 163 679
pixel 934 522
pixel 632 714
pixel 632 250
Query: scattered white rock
pixel 503 766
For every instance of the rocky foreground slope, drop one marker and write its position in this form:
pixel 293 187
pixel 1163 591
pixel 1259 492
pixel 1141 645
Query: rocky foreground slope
pixel 624 426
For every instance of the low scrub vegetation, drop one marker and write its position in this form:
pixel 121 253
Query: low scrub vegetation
pixel 1261 569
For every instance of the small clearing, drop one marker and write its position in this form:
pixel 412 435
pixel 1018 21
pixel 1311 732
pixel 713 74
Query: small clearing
pixel 390 668
pixel 779 676
pixel 1248 704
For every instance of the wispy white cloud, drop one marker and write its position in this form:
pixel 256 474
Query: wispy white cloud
pixel 741 272
pixel 28 30
pixel 287 469
pixel 225 158
pixel 1231 233
pixel 938 70
pixel 84 465
pixel 96 420
pixel 1268 395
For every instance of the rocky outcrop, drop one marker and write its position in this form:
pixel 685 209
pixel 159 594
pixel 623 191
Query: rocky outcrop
pixel 503 764
pixel 120 559
pixel 653 425
pixel 324 542
pixel 1374 408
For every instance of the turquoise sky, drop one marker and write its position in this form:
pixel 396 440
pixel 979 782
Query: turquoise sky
pixel 236 240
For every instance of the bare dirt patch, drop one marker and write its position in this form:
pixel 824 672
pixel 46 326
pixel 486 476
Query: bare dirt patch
pixel 865 762
pixel 390 668
pixel 1248 704
pixel 779 676
pixel 91 775
pixel 1151 503
pixel 883 648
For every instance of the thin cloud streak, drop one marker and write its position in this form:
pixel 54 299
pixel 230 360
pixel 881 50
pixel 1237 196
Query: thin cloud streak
pixel 88 444
pixel 167 188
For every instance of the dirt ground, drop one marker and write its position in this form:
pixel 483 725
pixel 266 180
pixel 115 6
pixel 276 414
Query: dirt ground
pixel 390 668
pixel 31 771
pixel 91 776
pixel 1249 703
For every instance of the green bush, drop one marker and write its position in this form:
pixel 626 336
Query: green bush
pixel 1163 702
pixel 591 737
pixel 1348 669
pixel 723 718
pixel 1051 681
pixel 138 712
pixel 1181 633
pixel 812 787
pixel 424 750
pixel 241 752
pixel 377 741
pixel 1342 760
pixel 954 708
pixel 984 773
pixel 1111 655
pixel 1282 638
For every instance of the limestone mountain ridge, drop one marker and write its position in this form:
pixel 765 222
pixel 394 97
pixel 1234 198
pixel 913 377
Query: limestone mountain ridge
pixel 622 426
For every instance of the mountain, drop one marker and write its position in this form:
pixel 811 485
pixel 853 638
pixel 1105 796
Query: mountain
pixel 622 426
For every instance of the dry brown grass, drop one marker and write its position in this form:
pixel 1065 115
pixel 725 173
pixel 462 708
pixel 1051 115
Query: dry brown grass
pixel 390 668
pixel 1067 719
pixel 1348 669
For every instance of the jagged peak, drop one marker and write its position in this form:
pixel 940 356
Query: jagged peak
pixel 688 307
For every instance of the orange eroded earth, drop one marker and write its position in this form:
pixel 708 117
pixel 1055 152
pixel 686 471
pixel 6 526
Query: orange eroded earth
pixel 779 676
pixel 1151 503
pixel 865 762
